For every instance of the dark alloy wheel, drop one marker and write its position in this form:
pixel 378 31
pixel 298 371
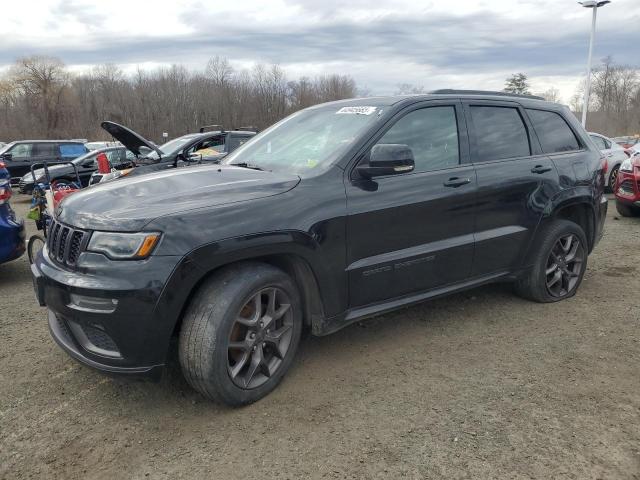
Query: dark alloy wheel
pixel 260 338
pixel 564 266
pixel 558 263
pixel 240 333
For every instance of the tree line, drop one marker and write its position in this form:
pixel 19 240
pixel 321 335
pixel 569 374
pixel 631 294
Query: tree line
pixel 41 98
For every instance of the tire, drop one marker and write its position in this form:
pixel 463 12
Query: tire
pixel 626 210
pixel 613 176
pixel 214 323
pixel 34 245
pixel 534 284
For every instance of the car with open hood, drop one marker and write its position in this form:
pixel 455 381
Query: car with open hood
pixel 201 147
pixel 338 212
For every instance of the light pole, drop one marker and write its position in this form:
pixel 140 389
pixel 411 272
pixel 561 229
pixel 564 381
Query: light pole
pixel 594 5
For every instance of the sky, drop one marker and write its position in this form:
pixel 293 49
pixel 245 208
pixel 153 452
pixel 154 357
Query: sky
pixel 381 44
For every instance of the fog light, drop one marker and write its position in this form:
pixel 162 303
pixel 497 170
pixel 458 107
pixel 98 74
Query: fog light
pixel 92 304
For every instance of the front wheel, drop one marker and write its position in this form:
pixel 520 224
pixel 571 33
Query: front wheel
pixel 34 245
pixel 613 176
pixel 240 333
pixel 558 264
pixel 626 210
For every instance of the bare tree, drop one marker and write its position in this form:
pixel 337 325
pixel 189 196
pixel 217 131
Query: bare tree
pixel 39 98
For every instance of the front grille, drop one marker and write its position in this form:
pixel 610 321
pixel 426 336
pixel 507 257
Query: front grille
pixel 64 243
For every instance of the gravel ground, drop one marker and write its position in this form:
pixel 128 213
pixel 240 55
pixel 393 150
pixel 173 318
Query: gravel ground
pixel 478 385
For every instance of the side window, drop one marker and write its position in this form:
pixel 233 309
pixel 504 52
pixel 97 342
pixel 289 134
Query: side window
pixel 235 141
pixel 599 141
pixel 72 150
pixel 43 150
pixel 607 143
pixel 432 135
pixel 553 132
pixel 21 151
pixel 500 133
pixel 114 157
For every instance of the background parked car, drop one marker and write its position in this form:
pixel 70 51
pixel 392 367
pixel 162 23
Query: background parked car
pixel 614 153
pixel 100 145
pixel 119 158
pixel 210 146
pixel 626 142
pixel 11 229
pixel 627 189
pixel 19 156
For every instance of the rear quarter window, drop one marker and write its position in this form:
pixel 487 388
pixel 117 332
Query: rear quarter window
pixel 72 150
pixel 554 133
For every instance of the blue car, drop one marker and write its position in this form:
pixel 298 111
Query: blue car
pixel 11 229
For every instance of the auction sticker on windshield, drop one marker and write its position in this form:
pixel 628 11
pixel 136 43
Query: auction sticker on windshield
pixel 357 110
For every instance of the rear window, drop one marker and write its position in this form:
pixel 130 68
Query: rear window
pixel 554 133
pixel 72 150
pixel 500 133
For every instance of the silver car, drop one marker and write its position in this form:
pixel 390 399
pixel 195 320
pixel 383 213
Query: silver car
pixel 614 154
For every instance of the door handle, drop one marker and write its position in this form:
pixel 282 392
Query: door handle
pixel 456 182
pixel 540 169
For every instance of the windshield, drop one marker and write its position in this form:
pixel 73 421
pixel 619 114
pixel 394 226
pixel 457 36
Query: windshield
pixel 307 141
pixel 6 147
pixel 172 145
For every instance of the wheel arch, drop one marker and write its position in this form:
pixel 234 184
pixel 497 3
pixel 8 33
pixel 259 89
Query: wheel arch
pixel 293 259
pixel 578 209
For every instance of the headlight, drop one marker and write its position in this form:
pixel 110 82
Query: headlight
pixel 626 166
pixel 123 246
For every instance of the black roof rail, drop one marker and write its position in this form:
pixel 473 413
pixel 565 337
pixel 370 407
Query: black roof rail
pixel 211 127
pixel 450 91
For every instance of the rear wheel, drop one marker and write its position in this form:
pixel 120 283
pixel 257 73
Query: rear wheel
pixel 559 264
pixel 240 333
pixel 627 210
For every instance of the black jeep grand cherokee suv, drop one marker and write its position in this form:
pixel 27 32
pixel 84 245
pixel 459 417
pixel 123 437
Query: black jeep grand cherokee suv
pixel 338 212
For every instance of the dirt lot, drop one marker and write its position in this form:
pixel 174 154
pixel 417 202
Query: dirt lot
pixel 478 385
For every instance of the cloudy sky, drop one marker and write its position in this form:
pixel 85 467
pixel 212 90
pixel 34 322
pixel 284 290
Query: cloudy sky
pixel 435 44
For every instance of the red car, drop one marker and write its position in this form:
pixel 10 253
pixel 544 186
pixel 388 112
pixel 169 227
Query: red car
pixel 627 188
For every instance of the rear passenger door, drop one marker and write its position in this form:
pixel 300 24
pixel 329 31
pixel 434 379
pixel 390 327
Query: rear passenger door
pixel 44 152
pixel 515 183
pixel 413 232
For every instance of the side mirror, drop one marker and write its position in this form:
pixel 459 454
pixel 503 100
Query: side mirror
pixel 194 157
pixel 388 159
pixel 7 157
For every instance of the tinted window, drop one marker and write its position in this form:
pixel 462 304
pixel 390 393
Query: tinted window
pixel 500 133
pixel 72 150
pixel 553 132
pixel 21 150
pixel 599 141
pixel 235 141
pixel 43 150
pixel 432 135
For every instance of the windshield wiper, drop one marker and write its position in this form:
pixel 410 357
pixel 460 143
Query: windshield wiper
pixel 246 165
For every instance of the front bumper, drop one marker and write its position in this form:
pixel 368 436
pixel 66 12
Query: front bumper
pixel 131 338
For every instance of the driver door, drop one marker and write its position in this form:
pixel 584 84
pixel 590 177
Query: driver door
pixel 413 232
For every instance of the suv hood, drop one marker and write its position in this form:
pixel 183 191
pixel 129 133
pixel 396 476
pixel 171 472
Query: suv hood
pixel 130 203
pixel 130 139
